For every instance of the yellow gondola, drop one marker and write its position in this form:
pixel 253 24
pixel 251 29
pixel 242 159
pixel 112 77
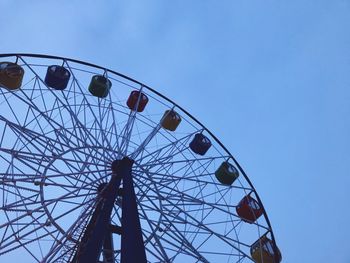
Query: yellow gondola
pixel 11 75
pixel 264 251
pixel 171 119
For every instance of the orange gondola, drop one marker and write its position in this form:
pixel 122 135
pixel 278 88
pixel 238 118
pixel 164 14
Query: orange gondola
pixel 264 251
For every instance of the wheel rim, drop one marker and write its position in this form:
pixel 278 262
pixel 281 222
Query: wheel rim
pixel 186 214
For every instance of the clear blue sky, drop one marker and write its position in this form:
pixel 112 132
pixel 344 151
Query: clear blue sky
pixel 269 78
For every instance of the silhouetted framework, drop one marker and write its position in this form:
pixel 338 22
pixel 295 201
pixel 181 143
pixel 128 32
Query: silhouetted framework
pixel 98 237
pixel 67 191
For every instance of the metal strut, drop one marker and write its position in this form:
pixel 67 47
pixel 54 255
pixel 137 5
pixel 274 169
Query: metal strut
pixel 132 247
pixel 98 234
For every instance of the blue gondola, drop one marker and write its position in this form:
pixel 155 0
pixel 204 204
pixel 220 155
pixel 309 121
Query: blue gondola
pixel 57 77
pixel 200 144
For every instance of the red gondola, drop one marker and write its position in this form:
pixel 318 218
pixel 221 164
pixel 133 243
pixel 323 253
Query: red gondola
pixel 137 98
pixel 248 209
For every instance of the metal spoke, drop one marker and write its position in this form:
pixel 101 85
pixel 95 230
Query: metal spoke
pixel 57 147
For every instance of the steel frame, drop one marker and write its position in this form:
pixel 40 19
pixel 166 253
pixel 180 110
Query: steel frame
pixel 85 136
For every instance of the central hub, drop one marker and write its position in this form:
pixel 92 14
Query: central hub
pixel 114 166
pixel 101 187
pixel 124 164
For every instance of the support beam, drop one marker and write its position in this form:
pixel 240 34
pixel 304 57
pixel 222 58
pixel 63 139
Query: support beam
pixel 98 233
pixel 132 246
pixel 90 247
pixel 108 249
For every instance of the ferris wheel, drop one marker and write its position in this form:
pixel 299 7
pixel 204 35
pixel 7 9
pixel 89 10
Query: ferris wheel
pixel 98 167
